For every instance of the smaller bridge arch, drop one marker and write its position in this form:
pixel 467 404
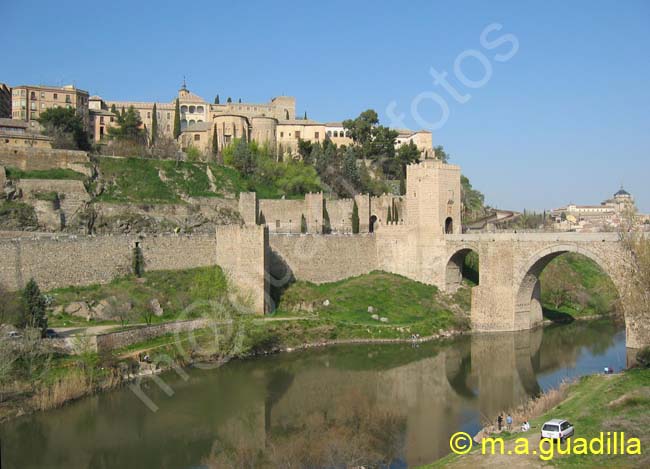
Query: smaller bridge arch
pixel 455 267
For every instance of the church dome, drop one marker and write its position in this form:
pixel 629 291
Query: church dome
pixel 622 193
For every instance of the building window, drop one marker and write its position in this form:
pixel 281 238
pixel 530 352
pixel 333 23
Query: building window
pixel 197 137
pixel 297 134
pixel 42 105
pixel 112 118
pixel 277 224
pixel 148 115
pixel 336 133
pixel 33 106
pixel 101 120
pixel 42 94
pixel 55 97
pixel 67 98
pixel 317 135
pixel 329 133
pixel 169 115
pixel 192 109
pixel 281 134
pixel 32 95
pixel 168 128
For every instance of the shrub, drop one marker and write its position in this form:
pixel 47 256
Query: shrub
pixel 643 357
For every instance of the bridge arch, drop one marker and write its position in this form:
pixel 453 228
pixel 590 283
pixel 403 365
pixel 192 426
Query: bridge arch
pixel 528 307
pixel 455 268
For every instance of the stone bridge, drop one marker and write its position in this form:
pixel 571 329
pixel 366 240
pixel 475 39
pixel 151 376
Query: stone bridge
pixel 507 297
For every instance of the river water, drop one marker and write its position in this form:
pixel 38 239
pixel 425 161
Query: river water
pixel 357 403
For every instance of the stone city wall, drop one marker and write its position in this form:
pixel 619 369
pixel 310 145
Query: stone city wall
pixel 59 261
pixel 324 258
pixel 31 159
pixel 282 216
pixel 340 215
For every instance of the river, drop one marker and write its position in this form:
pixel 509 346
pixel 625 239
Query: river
pixel 397 403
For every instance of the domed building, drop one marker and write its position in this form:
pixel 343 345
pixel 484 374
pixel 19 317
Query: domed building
pixel 607 215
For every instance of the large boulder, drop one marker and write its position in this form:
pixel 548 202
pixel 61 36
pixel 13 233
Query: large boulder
pixel 156 308
pixel 79 309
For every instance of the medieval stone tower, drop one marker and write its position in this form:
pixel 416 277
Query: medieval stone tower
pixel 433 197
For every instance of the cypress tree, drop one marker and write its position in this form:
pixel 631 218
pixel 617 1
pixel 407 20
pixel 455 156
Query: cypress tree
pixel 113 109
pixel 262 219
pixel 177 120
pixel 286 114
pixel 303 224
pixel 154 124
pixel 34 307
pixel 355 218
pixel 239 100
pixel 327 226
pixel 402 184
pixel 305 117
pixel 229 99
pixel 395 213
pixel 138 261
pixel 216 100
pixel 215 142
pixel 389 217
pixel 123 111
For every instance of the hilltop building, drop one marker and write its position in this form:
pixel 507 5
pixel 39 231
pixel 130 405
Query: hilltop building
pixel 273 123
pixel 5 101
pixel 28 102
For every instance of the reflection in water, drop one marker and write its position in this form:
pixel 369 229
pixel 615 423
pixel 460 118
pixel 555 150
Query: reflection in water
pixel 391 404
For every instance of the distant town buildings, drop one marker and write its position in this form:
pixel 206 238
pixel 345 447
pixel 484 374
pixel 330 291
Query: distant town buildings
pixel 607 216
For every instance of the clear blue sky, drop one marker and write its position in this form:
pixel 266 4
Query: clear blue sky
pixel 567 118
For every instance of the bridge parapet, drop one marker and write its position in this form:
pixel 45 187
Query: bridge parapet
pixel 528 236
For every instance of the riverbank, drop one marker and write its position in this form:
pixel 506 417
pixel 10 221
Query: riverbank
pixel 594 404
pixel 61 379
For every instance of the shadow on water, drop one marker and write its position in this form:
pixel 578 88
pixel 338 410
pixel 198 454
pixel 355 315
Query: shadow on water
pixel 387 405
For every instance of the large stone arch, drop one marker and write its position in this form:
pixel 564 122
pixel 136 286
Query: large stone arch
pixel 528 308
pixel 454 266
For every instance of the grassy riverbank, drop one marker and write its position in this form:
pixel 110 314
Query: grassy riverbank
pixel 594 404
pixel 39 378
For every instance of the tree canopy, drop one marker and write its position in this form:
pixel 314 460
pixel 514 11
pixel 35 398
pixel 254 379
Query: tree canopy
pixel 66 127
pixel 129 127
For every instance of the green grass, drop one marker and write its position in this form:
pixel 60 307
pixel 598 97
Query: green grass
pixel 404 302
pixel 175 291
pixel 57 173
pixel 141 180
pixel 596 403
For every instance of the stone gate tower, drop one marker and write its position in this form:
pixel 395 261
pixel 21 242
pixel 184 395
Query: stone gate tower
pixel 433 197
